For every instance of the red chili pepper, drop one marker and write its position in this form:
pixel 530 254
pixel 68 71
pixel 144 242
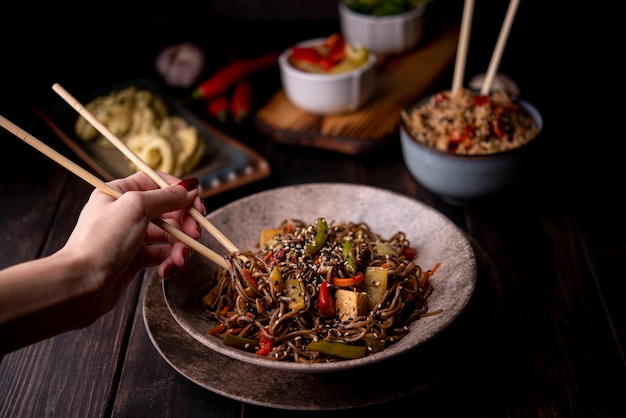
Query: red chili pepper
pixel 325 302
pixel 226 77
pixel 241 100
pixel 217 108
pixel 266 345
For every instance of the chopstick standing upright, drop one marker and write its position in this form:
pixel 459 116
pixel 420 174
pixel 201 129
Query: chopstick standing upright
pixel 105 188
pixel 84 112
pixel 499 49
pixel 461 55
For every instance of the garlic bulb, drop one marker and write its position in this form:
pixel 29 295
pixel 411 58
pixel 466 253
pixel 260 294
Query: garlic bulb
pixel 500 82
pixel 180 64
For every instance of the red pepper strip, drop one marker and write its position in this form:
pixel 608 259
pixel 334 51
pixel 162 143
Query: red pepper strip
pixel 481 100
pixel 336 46
pixel 325 302
pixel 440 97
pixel 241 100
pixel 249 277
pixel 218 329
pixel 265 345
pixel 305 53
pixel 458 136
pixel 495 124
pixel 281 254
pixel 226 77
pixel 327 63
pixel 275 260
pixel 217 108
pixel 348 281
pixel 426 274
pixel 409 253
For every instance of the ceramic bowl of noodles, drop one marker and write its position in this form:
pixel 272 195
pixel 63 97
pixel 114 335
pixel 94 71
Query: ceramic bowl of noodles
pixel 325 284
pixel 467 146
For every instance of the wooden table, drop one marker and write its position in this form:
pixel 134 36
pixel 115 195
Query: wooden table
pixel 550 342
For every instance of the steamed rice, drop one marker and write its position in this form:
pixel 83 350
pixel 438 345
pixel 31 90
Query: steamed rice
pixel 468 123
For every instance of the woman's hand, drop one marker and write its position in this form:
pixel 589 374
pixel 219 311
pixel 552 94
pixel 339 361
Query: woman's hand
pixel 116 239
pixel 113 241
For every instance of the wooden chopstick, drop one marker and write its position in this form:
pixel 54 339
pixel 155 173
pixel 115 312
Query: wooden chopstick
pixel 499 49
pixel 461 53
pixel 105 188
pixel 84 112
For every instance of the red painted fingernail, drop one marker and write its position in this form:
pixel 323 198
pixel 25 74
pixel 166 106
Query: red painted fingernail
pixel 170 270
pixel 186 254
pixel 189 184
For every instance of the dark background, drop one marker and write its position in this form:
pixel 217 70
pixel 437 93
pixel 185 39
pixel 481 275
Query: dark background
pixel 559 51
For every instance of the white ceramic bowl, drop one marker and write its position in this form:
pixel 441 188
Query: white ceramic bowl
pixel 383 35
pixel 460 179
pixel 327 93
pixel 434 237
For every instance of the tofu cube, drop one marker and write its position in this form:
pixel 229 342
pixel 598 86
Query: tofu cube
pixel 350 304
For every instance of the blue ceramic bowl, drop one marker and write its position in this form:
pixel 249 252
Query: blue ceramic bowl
pixel 460 179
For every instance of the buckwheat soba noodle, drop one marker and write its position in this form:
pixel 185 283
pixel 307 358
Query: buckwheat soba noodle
pixel 319 292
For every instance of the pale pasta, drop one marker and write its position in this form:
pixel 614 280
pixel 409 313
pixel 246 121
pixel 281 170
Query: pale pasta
pixel 141 119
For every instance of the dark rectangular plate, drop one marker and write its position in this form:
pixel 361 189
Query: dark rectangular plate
pixel 226 163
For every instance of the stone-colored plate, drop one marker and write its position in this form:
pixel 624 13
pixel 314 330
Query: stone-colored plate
pixel 435 238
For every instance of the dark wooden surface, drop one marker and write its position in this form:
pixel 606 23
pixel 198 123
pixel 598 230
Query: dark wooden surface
pixel 557 240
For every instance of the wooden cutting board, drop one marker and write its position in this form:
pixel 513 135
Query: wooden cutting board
pixel 401 80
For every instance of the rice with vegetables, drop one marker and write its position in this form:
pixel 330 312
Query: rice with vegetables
pixel 470 123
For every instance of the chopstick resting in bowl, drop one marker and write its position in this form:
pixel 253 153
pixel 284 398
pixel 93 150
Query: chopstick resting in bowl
pixel 499 49
pixel 461 55
pixel 105 188
pixel 84 112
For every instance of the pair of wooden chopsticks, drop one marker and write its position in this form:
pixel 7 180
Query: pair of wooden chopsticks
pixel 459 67
pixel 104 187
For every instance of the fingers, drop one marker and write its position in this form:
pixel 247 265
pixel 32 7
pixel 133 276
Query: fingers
pixel 169 258
pixel 177 252
pixel 141 181
pixel 158 201
pixel 169 199
pixel 145 199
